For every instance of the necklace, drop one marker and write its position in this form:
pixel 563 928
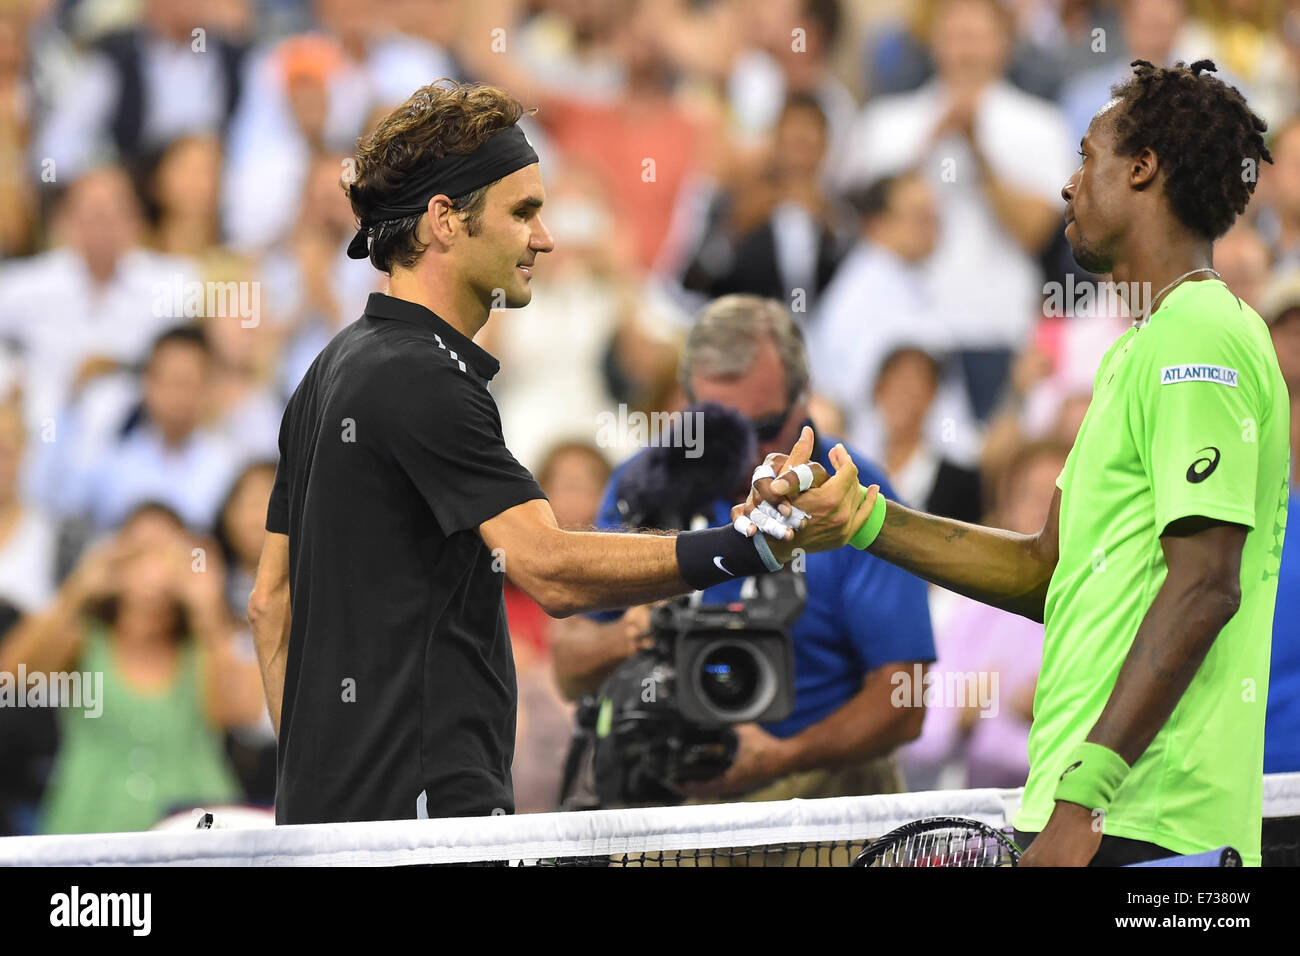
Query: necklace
pixel 1146 316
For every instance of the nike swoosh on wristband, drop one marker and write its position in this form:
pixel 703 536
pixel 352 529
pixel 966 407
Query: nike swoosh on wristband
pixel 717 559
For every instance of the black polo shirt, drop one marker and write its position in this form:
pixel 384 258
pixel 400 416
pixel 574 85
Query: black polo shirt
pixel 399 692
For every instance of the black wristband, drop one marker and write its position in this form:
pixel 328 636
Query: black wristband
pixel 714 555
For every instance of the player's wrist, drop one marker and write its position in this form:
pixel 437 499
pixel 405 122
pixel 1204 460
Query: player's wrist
pixel 782 549
pixel 870 529
pixel 716 555
pixel 1091 777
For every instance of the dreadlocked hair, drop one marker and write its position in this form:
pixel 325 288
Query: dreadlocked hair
pixel 1209 142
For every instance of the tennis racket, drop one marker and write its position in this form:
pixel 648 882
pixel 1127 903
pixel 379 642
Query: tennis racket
pixel 941 841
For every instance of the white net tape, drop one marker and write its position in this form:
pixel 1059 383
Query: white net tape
pixel 546 836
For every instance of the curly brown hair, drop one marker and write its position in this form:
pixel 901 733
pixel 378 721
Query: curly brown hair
pixel 442 118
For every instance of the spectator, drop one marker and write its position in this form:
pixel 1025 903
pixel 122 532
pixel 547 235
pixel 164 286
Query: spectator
pixel 314 92
pixel 143 88
pixel 863 622
pixel 166 454
pixel 894 57
pixel 1151 30
pixel 642 143
pixel 997 158
pixel 28 742
pixel 774 237
pixel 265 181
pixel 1243 259
pixel 826 416
pixel 184 191
pixel 1050 385
pixel 1069 417
pixel 574 475
pixel 879 300
pixel 791 59
pixel 27 537
pixel 987 740
pixel 91 302
pixel 1281 309
pixel 420 47
pixel 1057 41
pixel 1279 219
pixel 1244 37
pixel 918 467
pixel 244 402
pixel 573 47
pixel 138 612
pixel 1050 40
pixel 18 213
pixel 239 532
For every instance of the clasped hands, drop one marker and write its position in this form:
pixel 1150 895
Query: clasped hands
pixel 795 503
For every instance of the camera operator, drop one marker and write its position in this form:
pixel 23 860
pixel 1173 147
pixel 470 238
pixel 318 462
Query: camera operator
pixel 864 620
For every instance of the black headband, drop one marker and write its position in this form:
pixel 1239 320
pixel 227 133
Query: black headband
pixel 453 175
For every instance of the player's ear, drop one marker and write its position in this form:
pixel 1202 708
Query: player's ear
pixel 1143 168
pixel 443 222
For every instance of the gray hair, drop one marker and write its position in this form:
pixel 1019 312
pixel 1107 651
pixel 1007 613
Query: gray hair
pixel 725 340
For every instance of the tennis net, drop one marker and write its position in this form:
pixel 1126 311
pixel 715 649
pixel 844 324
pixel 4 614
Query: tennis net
pixel 829 832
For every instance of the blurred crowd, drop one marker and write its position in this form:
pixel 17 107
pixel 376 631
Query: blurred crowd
pixel 889 170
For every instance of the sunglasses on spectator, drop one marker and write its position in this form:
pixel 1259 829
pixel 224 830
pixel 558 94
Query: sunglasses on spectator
pixel 768 427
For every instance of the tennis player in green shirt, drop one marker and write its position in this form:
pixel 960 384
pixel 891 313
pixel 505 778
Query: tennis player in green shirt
pixel 1156 572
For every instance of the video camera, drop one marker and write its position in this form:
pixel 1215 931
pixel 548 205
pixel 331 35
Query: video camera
pixel 666 714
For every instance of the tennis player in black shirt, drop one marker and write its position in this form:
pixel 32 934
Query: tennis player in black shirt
pixel 378 611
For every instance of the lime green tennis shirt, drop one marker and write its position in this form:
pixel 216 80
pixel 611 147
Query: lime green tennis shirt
pixel 1189 416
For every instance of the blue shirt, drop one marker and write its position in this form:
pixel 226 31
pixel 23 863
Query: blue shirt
pixel 862 612
pixel 1282 723
pixel 192 478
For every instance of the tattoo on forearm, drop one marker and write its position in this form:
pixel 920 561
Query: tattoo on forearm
pixel 897 518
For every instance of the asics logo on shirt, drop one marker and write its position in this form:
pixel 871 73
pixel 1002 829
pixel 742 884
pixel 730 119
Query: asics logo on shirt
pixel 1196 475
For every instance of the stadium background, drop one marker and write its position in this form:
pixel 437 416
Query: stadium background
pixel 690 149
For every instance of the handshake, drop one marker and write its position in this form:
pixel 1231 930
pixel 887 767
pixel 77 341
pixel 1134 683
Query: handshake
pixel 796 504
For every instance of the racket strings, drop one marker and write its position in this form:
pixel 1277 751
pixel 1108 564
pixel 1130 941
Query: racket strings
pixel 947 847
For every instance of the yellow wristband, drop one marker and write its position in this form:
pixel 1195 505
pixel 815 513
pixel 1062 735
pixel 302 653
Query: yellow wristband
pixel 1091 777
pixel 871 527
